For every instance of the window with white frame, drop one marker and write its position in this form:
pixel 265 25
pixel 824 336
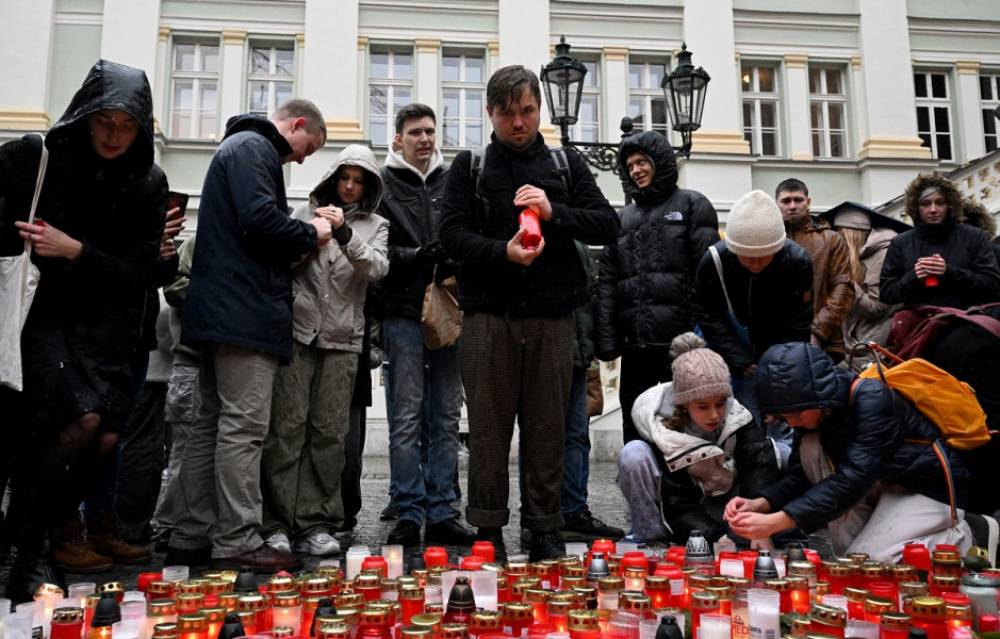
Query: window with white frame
pixel 828 112
pixel 588 123
pixel 934 113
pixel 463 98
pixel 759 86
pixel 390 86
pixel 194 102
pixel 989 96
pixel 272 76
pixel 646 105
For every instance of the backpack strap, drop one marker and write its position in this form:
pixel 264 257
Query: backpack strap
pixel 562 165
pixel 476 164
pixel 935 445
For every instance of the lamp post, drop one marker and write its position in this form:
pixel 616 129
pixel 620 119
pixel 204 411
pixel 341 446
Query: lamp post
pixel 562 79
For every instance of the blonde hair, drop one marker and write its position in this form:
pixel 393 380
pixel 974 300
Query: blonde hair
pixel 855 239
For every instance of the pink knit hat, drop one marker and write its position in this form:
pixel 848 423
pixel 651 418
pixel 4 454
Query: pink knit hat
pixel 699 372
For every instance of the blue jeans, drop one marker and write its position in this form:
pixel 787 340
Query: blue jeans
pixel 576 461
pixel 423 492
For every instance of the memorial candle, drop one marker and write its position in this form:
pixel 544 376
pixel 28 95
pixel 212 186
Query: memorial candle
pixel 193 626
pixel 67 623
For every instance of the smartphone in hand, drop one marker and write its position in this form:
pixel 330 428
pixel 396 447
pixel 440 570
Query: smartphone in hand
pixel 177 200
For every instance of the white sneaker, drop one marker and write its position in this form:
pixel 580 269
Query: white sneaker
pixel 319 544
pixel 279 541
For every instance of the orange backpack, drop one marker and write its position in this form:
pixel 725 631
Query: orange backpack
pixel 949 403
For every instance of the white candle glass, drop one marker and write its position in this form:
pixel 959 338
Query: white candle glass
pixel 393 555
pixel 484 586
pixel 765 608
pixel 578 549
pixel 835 601
pixel 714 627
pixel 290 616
pixel 623 547
pixel 731 567
pixel 355 555
pixel 78 592
pixel 647 628
pixel 861 629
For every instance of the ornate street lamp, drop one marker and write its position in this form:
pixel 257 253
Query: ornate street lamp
pixel 562 79
pixel 684 89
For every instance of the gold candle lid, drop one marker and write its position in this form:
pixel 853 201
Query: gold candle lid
pixel 251 603
pixel 188 587
pixel 367 580
pixel 111 586
pixel 611 584
pixel 961 612
pixel 562 606
pixel 928 606
pixel 454 631
pixel 48 589
pixel 778 585
pixel 67 615
pixel 411 591
pixel 904 572
pixel 878 605
pixel 895 620
pixel 349 615
pixel 739 583
pixel 417 632
pixel 286 599
pixel 699 581
pixel 196 622
pixel 574 571
pixel 949 582
pixel 828 615
pixel 839 570
pixel 482 620
pixel 374 616
pixel 635 602
pixel 517 568
pixel 282 631
pixel 333 631
pixel 280 583
pixel 315 584
pixel 429 621
pixel 191 600
pixel 333 574
pixel 166 631
pixel 858 558
pixel 573 582
pixel 583 620
pixel 722 593
pixel 515 610
pixel 349 599
pixel 874 570
pixel 704 601
pixel 158 588
pixel 536 595
pixel 857 595
pixel 523 584
pixel 228 600
pixel 214 614
pixel 161 608
pixel 803 568
pixel 913 588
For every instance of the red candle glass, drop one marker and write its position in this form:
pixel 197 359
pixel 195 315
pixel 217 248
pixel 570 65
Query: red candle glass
pixel 856 602
pixel 435 556
pixel 377 563
pixel 928 615
pixel 894 625
pixel 749 559
pixel 472 562
pixel 702 603
pixel 485 550
pixel 67 623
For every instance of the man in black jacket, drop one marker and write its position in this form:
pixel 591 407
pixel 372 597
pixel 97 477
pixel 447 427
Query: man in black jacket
pixel 239 313
pixel 516 349
pixel 757 295
pixel 423 387
pixel 644 289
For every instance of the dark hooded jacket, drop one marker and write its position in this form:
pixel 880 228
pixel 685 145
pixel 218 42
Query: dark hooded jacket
pixel 864 437
pixel 87 315
pixel 475 229
pixel 972 275
pixel 644 290
pixel 775 305
pixel 241 277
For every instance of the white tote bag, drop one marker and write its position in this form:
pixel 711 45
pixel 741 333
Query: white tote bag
pixel 18 282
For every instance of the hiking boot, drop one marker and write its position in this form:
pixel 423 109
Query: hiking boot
pixel 73 554
pixel 264 559
pixel 449 533
pixel 546 544
pixel 583 526
pixel 985 533
pixel 494 536
pixel 105 538
pixel 406 533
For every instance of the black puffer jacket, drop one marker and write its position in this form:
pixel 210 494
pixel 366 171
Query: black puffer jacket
pixel 775 304
pixel 413 207
pixel 644 290
pixel 87 315
pixel 475 229
pixel 241 278
pixel 972 275
pixel 864 437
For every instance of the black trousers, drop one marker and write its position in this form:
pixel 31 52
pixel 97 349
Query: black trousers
pixel 516 368
pixel 642 368
pixel 350 476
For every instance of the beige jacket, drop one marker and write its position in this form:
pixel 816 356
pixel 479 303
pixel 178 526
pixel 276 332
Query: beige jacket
pixel 330 285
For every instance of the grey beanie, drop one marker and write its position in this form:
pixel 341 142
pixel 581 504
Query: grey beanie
pixel 755 227
pixel 698 371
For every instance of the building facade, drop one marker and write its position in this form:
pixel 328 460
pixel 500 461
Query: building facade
pixel 853 97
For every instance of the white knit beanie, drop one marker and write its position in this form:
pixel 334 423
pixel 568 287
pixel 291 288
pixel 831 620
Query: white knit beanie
pixel 755 227
pixel 698 372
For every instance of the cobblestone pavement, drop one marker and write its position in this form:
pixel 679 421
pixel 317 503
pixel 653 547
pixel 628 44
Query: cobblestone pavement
pixel 605 501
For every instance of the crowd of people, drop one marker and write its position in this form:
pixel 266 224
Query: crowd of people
pixel 246 353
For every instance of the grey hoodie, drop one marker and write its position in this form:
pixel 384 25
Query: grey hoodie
pixel 329 286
